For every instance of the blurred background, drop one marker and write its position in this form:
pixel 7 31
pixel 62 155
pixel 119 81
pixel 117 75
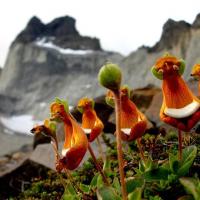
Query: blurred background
pixel 54 49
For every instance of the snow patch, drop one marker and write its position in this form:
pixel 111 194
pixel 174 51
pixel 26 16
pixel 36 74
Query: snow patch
pixel 20 124
pixel 48 44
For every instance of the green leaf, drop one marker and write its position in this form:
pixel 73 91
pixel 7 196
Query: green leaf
pixel 85 188
pixel 70 189
pixel 136 194
pixel 156 174
pixel 132 183
pixel 69 197
pixel 70 193
pixel 116 185
pixel 107 167
pixel 192 186
pixel 173 163
pixel 189 154
pixel 94 181
pixel 107 193
pixel 100 182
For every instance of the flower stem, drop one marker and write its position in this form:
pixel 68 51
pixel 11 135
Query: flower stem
pixel 119 142
pixel 179 144
pixel 97 165
pixel 140 149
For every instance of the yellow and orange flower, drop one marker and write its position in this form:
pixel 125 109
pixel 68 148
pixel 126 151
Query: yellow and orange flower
pixel 196 70
pixel 76 143
pixel 47 129
pixel 133 122
pixel 180 107
pixel 91 124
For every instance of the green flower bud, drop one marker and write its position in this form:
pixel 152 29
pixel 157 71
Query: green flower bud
pixel 110 76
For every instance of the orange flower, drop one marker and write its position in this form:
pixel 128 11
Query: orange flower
pixel 196 70
pixel 133 122
pixel 76 143
pixel 47 129
pixel 180 107
pixel 91 124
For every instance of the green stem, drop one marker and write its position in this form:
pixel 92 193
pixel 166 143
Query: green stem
pixel 119 143
pixel 97 165
pixel 179 145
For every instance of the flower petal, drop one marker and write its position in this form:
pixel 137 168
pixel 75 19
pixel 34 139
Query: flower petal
pixel 129 114
pixel 182 112
pixel 176 93
pixel 91 122
pixel 75 145
pixel 136 131
pixel 184 124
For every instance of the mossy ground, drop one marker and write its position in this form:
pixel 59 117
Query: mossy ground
pixel 50 185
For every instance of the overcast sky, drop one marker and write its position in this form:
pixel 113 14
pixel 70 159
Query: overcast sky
pixel 121 25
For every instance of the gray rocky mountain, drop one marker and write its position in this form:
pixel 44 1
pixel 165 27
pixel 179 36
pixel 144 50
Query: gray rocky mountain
pixel 48 60
pixel 178 38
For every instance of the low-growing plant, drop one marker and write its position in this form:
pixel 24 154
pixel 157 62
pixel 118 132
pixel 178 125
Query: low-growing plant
pixel 132 168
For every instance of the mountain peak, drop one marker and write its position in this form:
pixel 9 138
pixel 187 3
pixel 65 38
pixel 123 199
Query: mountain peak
pixel 196 23
pixel 60 31
pixel 172 32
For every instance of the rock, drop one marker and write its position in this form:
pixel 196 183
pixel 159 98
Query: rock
pixel 196 23
pixel 12 142
pixel 61 31
pixel 154 109
pixel 172 32
pixel 3 160
pixel 142 97
pixel 18 155
pixel 72 76
pixel 178 38
pixel 20 178
pixel 75 75
pixel 34 29
pixel 44 154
